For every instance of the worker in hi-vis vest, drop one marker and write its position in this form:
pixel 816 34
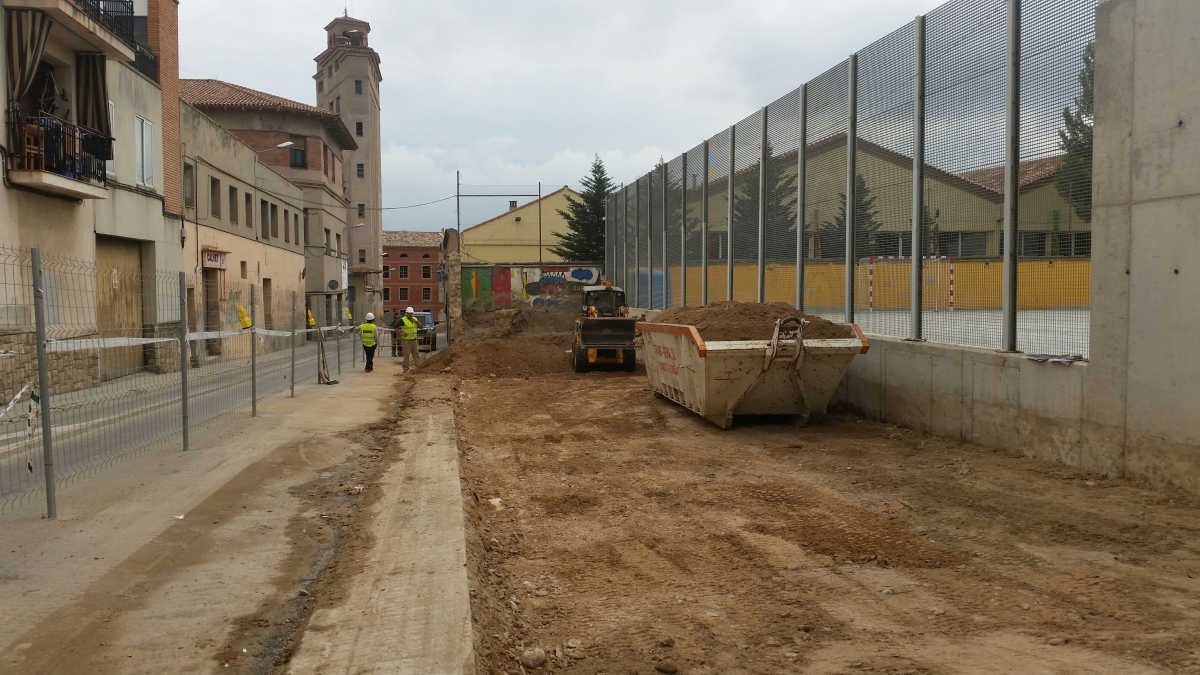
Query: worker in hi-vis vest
pixel 408 338
pixel 367 332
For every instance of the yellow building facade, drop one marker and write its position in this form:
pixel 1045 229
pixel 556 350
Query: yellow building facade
pixel 515 236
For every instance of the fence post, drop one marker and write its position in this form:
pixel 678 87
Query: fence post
pixel 801 195
pixel 683 173
pixel 184 361
pixel 704 228
pixel 292 376
pixel 637 241
pixel 650 238
pixel 666 276
pixel 353 351
pixel 338 339
pixel 851 175
pixel 762 208
pixel 1012 180
pixel 917 280
pixel 729 213
pixel 253 354
pixel 43 390
pixel 625 242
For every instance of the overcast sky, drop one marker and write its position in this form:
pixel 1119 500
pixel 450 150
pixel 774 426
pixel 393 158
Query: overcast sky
pixel 520 92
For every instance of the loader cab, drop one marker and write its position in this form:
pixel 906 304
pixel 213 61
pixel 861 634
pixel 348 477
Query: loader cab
pixel 605 300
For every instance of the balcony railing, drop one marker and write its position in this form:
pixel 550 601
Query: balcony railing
pixel 115 15
pixel 146 62
pixel 41 142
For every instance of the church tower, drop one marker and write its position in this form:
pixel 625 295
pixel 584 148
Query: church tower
pixel 347 82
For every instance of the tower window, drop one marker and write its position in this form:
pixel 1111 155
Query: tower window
pixel 358 87
pixel 362 171
pixel 320 86
pixel 358 129
pixel 362 210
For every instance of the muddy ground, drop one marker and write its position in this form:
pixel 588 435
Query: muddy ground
pixel 622 534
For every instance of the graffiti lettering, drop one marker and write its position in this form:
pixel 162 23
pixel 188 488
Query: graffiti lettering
pixel 665 352
pixel 668 367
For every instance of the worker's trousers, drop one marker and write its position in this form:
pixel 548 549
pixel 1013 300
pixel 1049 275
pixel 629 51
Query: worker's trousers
pixel 369 352
pixel 411 356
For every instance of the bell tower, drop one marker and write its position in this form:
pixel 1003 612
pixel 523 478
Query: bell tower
pixel 347 82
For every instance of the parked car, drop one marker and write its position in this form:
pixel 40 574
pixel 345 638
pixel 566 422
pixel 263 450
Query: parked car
pixel 427 333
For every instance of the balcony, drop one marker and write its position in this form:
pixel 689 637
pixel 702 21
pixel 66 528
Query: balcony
pixel 51 155
pixel 89 25
pixel 146 62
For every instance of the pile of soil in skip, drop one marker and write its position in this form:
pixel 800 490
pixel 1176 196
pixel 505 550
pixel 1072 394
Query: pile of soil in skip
pixel 749 321
pixel 497 357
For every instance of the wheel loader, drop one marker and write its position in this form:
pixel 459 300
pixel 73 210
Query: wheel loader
pixel 604 331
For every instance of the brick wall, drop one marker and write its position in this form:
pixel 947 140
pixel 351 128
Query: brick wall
pixel 414 283
pixel 163 24
pixel 262 140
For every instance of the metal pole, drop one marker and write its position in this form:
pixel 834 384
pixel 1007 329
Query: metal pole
pixel 650 238
pixel 1012 157
pixel 292 377
pixel 762 208
pixel 253 354
pixel 184 361
pixel 458 207
pixel 851 173
pixel 43 390
pixel 540 226
pixel 666 291
pixel 704 228
pixel 624 240
pixel 918 188
pixel 637 241
pixel 729 213
pixel 801 196
pixel 353 350
pixel 683 213
pixel 338 339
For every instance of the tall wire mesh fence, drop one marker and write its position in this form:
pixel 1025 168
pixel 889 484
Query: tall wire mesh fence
pixel 115 368
pixel 751 228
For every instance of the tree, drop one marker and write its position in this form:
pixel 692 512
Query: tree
pixel 1074 176
pixel 584 240
pixel 832 233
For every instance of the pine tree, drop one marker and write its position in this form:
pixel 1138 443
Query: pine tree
pixel 1074 176
pixel 584 240
pixel 833 232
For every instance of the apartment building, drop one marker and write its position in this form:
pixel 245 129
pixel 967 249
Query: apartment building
pixel 306 147
pixel 412 272
pixel 347 84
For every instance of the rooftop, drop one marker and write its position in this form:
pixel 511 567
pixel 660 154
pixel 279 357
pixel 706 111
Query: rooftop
pixel 410 239
pixel 225 95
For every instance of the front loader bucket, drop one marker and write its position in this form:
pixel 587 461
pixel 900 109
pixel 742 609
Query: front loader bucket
pixel 607 332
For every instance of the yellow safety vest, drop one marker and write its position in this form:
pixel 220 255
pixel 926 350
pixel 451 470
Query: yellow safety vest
pixel 367 330
pixel 408 331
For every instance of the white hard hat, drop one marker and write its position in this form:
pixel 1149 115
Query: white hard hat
pixel 370 316
pixel 408 310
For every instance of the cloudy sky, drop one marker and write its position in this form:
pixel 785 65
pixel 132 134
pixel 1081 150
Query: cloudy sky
pixel 519 92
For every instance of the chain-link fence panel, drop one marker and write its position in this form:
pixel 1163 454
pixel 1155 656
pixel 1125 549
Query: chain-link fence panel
pixel 21 459
pixel 629 214
pixel 746 164
pixel 1055 206
pixel 693 244
pixel 674 225
pixel 718 217
pixel 883 185
pixel 780 194
pixel 657 239
pixel 825 190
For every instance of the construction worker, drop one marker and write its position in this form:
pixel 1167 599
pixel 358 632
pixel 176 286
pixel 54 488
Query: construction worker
pixel 395 325
pixel 367 333
pixel 408 337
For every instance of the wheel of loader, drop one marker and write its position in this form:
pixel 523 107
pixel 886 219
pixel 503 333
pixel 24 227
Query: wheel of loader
pixel 629 360
pixel 579 356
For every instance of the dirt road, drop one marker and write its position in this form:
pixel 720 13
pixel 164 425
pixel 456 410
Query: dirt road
pixel 620 533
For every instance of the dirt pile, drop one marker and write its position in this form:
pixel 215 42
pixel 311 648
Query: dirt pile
pixel 505 323
pixel 749 321
pixel 497 357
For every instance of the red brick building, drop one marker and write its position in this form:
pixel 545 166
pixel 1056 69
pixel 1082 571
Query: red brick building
pixel 410 272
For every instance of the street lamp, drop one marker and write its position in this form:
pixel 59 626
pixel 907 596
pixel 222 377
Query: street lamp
pixel 285 144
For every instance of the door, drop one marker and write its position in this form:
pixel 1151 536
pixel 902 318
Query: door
pixel 212 309
pixel 119 304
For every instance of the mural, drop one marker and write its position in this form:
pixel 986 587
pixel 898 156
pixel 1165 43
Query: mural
pixel 553 286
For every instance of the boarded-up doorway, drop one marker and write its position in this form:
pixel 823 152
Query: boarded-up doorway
pixel 119 304
pixel 212 308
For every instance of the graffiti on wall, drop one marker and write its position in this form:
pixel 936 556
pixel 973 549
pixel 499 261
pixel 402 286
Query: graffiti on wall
pixel 553 286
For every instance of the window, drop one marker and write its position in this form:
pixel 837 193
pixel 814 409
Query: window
pixel 296 227
pixel 1031 244
pixel 362 255
pixel 337 65
pixel 358 129
pixel 358 87
pixel 214 197
pixel 274 221
pixel 320 86
pixel 1071 244
pixel 338 241
pixel 362 171
pixel 403 255
pixel 426 293
pixel 306 227
pixel 287 226
pixel 403 271
pixel 264 218
pixel 387 294
pixel 243 269
pixel 386 272
pixel 267 305
pixel 963 244
pixel 327 241
pixel 425 256
pixel 331 70
pixel 144 147
pixel 362 210
pixel 110 166
pixel 189 186
pixel 403 293
pixel 426 272
pixel 233 205
pixel 249 210
pixel 337 107
pixel 299 158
